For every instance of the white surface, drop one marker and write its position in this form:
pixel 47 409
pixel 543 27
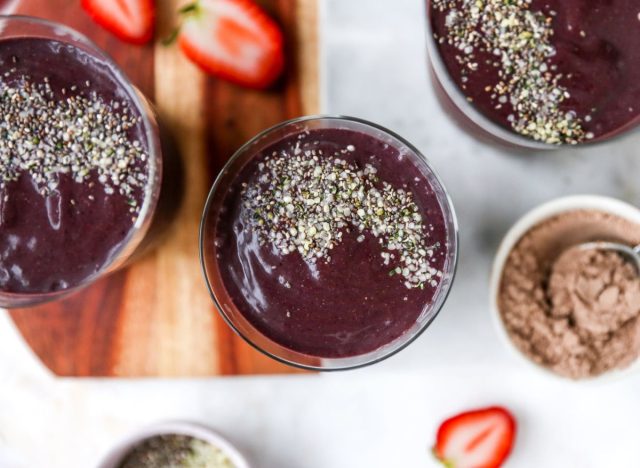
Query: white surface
pixel 384 416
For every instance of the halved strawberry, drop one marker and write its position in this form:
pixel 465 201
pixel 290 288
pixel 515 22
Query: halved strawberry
pixel 476 439
pixel 130 20
pixel 234 40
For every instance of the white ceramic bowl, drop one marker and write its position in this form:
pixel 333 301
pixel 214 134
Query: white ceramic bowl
pixel 117 454
pixel 529 220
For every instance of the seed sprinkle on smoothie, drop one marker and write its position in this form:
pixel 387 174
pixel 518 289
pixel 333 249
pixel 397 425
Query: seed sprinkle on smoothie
pixel 517 41
pixel 303 201
pixel 45 137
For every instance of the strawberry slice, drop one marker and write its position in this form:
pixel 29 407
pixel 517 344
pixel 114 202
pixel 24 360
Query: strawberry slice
pixel 476 439
pixel 234 40
pixel 130 20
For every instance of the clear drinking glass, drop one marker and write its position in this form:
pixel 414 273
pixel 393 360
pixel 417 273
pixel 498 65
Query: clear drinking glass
pixel 13 27
pixel 474 122
pixel 224 302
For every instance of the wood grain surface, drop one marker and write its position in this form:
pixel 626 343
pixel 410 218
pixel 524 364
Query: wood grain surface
pixel 156 318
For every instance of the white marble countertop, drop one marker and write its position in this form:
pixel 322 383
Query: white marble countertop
pixel 386 415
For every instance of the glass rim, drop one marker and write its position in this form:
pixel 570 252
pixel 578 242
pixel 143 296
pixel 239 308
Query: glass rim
pixel 67 35
pixel 442 296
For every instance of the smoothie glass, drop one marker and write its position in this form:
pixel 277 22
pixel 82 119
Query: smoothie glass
pixel 18 27
pixel 476 123
pixel 208 250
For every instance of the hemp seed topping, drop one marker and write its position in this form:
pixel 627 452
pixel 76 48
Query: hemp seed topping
pixel 519 39
pixel 77 135
pixel 176 451
pixel 305 201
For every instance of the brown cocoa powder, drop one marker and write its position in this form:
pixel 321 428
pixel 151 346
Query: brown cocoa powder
pixel 575 312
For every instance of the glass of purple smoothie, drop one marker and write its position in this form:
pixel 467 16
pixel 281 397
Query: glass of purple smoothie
pixel 80 163
pixel 537 74
pixel 328 243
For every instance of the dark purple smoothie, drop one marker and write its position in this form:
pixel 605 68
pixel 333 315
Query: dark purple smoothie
pixel 74 166
pixel 331 243
pixel 557 71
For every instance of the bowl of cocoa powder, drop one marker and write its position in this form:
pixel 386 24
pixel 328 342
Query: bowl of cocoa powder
pixel 573 313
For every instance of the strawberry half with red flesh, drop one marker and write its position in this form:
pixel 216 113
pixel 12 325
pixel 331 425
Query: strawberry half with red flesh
pixel 130 20
pixel 476 439
pixel 234 40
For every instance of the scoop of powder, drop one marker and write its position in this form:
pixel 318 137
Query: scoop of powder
pixel 574 311
pixel 599 290
pixel 598 293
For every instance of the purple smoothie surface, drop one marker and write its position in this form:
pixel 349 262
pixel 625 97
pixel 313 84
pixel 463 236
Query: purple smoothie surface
pixel 55 241
pixel 596 57
pixel 349 304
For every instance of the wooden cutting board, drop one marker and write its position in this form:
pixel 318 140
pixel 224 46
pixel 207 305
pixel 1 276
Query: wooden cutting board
pixel 156 317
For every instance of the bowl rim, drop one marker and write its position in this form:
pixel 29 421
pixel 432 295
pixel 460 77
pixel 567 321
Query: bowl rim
pixel 447 200
pixel 527 221
pixel 199 431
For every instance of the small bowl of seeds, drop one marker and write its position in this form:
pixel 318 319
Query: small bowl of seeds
pixel 175 445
